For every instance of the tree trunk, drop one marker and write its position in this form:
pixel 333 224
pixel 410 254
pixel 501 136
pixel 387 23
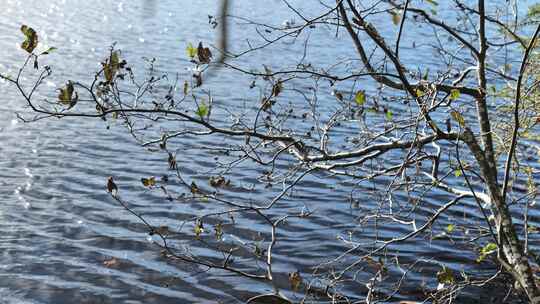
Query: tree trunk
pixel 513 257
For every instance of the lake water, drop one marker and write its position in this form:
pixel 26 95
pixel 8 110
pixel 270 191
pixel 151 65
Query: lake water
pixel 58 225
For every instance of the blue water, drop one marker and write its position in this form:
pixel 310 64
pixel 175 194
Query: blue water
pixel 58 225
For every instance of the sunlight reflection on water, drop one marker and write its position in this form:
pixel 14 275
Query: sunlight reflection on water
pixel 59 225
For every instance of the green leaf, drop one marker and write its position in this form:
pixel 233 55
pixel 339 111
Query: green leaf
pixel 49 50
pixel 458 117
pixel 533 229
pixel 191 50
pixel 426 74
pixel 31 41
pixel 450 228
pixel 360 98
pixel 115 59
pixel 454 94
pixel 198 229
pixel 419 93
pixel 458 172
pixel 67 95
pixel 373 110
pixel 445 276
pixel 534 10
pixel 485 251
pixel 389 115
pixel 489 248
pixel 111 66
pixel 202 110
pixel 186 87
pixel 218 228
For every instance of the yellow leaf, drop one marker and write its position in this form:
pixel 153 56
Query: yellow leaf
pixel 295 279
pixel 277 88
pixel 194 188
pixel 360 98
pixel 111 66
pixel 458 117
pixel 198 229
pixel 454 94
pixel 149 182
pixel 219 231
pixel 445 276
pixel 66 93
pixel 396 18
pixel 191 51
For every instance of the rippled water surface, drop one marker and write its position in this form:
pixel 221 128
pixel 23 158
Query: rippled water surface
pixel 57 223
